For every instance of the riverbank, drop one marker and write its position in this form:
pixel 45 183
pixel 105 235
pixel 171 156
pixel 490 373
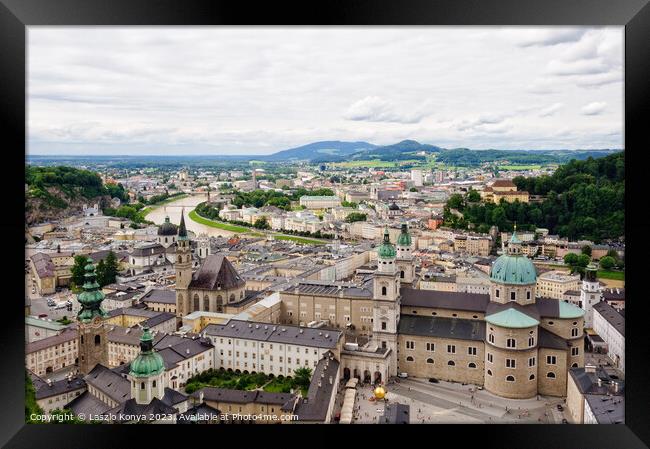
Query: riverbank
pixel 171 199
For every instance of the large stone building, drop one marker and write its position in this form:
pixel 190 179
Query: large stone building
pixel 515 345
pixel 554 284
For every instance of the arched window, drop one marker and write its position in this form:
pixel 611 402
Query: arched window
pixel 451 363
pixel 510 378
pixel 409 359
pixel 550 375
pixel 472 365
pixel 196 302
pixel 206 303
pixel 383 291
pixel 232 297
pixel 154 384
pixel 165 239
pixel 429 360
pixel 574 365
pixel 142 385
pixel 98 340
pixel 532 377
pixel 401 274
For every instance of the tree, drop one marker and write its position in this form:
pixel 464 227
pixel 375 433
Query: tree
pixel 100 271
pixel 473 196
pixel 261 223
pixel 586 250
pixel 455 201
pixel 78 270
pixel 302 377
pixel 356 216
pixel 607 263
pixel 110 268
pixel 31 406
pixel 413 189
pixel 571 259
pixel 583 260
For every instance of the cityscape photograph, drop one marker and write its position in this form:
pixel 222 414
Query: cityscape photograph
pixel 325 225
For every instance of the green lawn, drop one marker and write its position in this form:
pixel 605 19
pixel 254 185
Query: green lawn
pixel 221 378
pixel 216 224
pixel 614 275
pixel 298 239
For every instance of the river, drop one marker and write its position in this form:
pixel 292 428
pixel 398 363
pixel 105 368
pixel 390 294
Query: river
pixel 173 209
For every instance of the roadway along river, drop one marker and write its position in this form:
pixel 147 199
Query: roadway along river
pixel 174 208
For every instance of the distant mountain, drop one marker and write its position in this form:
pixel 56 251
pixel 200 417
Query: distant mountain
pixel 406 149
pixel 320 151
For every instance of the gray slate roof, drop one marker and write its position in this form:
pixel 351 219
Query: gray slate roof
pixel 272 333
pixel 435 326
pixel 314 407
pixel 110 383
pixel 612 316
pixel 44 390
pixel 160 296
pixel 216 272
pixel 473 302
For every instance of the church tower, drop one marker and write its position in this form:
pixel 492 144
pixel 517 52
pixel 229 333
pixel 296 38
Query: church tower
pixel 183 267
pixel 386 300
pixel 146 372
pixel 92 344
pixel 203 246
pixel 405 264
pixel 590 294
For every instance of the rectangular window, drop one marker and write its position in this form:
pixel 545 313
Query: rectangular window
pixel 574 332
pixel 575 351
pixel 531 341
pixel 410 345
pixel 531 361
pixel 551 360
pixel 511 343
pixel 430 347
pixel 451 349
pixel 491 338
pixel 510 363
pixel 528 294
pixel 383 325
pixel 512 296
pixel 471 350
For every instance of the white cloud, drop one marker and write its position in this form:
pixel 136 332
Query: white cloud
pixel 376 109
pixel 594 108
pixel 234 90
pixel 550 110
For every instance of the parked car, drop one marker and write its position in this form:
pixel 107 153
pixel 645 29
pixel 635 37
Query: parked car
pixel 403 375
pixel 42 315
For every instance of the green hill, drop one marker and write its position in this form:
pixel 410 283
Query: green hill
pixel 582 200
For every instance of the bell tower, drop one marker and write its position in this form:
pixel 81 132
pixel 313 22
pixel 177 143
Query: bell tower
pixel 590 294
pixel 146 372
pixel 405 264
pixel 183 267
pixel 386 300
pixel 92 344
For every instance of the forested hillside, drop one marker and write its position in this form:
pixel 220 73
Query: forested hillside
pixel 582 200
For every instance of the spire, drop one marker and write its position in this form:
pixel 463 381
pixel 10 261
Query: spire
pixel 146 341
pixel 91 298
pixel 386 235
pixel 182 231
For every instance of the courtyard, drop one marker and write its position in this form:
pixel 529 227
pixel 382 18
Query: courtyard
pixel 453 403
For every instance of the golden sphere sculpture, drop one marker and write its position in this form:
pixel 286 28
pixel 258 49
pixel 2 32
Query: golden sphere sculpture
pixel 380 392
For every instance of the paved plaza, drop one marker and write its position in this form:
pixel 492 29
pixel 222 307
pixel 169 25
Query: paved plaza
pixel 453 403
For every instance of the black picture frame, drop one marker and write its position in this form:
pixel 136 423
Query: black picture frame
pixel 16 15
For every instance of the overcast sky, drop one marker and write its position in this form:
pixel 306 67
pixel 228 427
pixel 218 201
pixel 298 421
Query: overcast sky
pixel 244 90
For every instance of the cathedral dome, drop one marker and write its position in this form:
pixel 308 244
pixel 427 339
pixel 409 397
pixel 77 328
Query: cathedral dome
pixel 148 362
pixel 513 267
pixel 386 249
pixel 167 228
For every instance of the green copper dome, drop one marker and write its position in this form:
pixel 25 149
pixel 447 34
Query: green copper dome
pixel 404 238
pixel 91 298
pixel 386 249
pixel 513 267
pixel 511 318
pixel 148 362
